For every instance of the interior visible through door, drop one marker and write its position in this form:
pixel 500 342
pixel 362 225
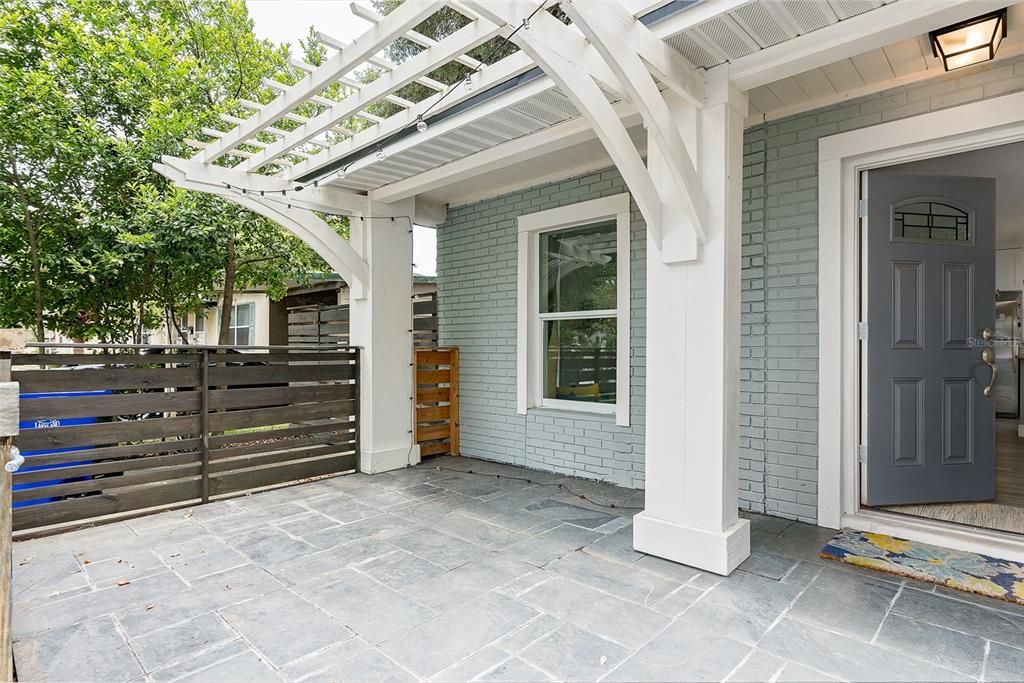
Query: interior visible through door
pixel 943 276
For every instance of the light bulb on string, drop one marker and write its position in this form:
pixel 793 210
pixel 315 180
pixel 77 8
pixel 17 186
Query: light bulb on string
pixel 421 125
pixel 380 154
pixel 468 82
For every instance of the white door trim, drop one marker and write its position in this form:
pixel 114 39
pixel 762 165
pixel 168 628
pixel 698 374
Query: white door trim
pixel 841 158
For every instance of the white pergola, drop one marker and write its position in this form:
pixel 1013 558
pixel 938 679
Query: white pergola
pixel 618 64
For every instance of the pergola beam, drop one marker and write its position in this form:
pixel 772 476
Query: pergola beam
pixel 367 14
pixel 405 16
pixel 465 38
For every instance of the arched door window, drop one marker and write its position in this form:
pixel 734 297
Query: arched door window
pixel 931 221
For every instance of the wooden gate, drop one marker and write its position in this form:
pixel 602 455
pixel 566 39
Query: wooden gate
pixel 132 428
pixel 437 401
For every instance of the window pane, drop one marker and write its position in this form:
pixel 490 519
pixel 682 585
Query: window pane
pixel 580 360
pixel 578 269
pixel 241 315
pixel 241 335
pixel 933 221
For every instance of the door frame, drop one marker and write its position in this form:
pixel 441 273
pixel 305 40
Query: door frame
pixel 841 160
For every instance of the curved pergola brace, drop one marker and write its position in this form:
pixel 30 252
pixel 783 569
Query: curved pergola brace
pixel 298 220
pixel 578 85
pixel 597 22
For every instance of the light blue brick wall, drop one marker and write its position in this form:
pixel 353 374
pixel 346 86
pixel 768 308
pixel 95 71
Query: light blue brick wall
pixel 476 267
pixel 779 344
pixel 779 334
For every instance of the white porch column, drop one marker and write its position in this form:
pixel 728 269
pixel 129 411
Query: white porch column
pixel 381 322
pixel 693 334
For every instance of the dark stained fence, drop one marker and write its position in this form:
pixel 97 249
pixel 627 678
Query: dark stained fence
pixel 328 325
pixel 437 401
pixel 424 320
pixel 318 325
pixel 121 430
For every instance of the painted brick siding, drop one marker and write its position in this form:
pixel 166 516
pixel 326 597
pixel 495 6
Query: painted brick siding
pixel 476 269
pixel 779 333
pixel 779 344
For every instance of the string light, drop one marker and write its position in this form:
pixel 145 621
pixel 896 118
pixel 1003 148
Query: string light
pixel 468 82
pixel 421 125
pixel 380 153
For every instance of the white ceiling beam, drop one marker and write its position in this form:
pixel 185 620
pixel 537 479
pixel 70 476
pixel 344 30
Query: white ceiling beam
pixel 643 91
pixel 381 63
pixel 577 83
pixel 865 32
pixel 669 66
pixel 558 137
pixel 378 36
pixel 691 16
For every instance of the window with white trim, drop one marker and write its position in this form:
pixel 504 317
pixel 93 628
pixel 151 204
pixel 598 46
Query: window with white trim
pixel 573 323
pixel 242 328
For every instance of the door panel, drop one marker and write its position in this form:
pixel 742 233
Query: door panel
pixel 930 293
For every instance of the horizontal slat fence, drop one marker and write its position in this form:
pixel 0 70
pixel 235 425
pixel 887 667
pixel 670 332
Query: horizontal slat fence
pixel 118 432
pixel 329 325
pixel 437 401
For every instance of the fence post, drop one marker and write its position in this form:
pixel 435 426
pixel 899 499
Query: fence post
pixel 204 420
pixel 10 341
pixel 359 417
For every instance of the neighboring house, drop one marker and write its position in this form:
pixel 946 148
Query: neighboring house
pixel 257 320
pixel 740 254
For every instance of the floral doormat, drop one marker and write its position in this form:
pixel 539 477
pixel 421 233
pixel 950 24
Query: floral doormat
pixel 957 569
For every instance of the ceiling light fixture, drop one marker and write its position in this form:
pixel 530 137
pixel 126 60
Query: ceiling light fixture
pixel 969 42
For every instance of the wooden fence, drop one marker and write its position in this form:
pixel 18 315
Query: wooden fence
pixel 124 430
pixel 328 325
pixel 437 401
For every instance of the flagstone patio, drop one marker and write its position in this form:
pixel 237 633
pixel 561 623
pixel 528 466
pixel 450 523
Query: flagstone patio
pixel 432 574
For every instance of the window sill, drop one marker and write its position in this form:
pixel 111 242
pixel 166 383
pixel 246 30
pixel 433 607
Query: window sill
pixel 570 414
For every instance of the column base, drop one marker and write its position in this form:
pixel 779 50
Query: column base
pixel 718 552
pixel 375 462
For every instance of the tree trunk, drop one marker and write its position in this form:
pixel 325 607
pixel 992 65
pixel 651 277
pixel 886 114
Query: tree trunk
pixel 228 297
pixel 37 275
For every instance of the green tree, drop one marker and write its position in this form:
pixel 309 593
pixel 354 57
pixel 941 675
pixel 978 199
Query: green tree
pixel 94 243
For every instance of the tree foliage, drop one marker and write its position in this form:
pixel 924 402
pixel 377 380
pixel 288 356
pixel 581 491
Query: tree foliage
pixel 93 243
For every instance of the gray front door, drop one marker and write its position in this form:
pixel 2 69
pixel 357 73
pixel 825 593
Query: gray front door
pixel 930 296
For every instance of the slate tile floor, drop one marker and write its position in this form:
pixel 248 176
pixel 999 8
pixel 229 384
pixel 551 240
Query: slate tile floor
pixel 443 576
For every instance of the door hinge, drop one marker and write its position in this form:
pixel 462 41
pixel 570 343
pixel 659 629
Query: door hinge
pixel 862 330
pixel 862 208
pixel 862 453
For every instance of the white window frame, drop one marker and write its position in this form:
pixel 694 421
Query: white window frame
pixel 251 326
pixel 529 325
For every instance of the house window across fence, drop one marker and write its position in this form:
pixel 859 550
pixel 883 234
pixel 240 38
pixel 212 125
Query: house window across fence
pixel 573 305
pixel 242 328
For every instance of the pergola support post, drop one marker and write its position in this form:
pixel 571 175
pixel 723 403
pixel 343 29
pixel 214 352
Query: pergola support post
pixel 381 323
pixel 693 316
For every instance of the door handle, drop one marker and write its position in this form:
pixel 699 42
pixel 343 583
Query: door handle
pixel 988 356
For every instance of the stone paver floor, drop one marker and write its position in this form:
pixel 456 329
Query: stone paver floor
pixel 437 575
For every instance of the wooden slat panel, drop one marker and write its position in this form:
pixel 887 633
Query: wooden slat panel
pixel 426 358
pixel 432 394
pixel 435 448
pixel 433 377
pixel 432 413
pixel 97 379
pixel 241 480
pixel 102 433
pixel 122 500
pixel 106 405
pixel 105 358
pixel 262 417
pixel 279 374
pixel 431 432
